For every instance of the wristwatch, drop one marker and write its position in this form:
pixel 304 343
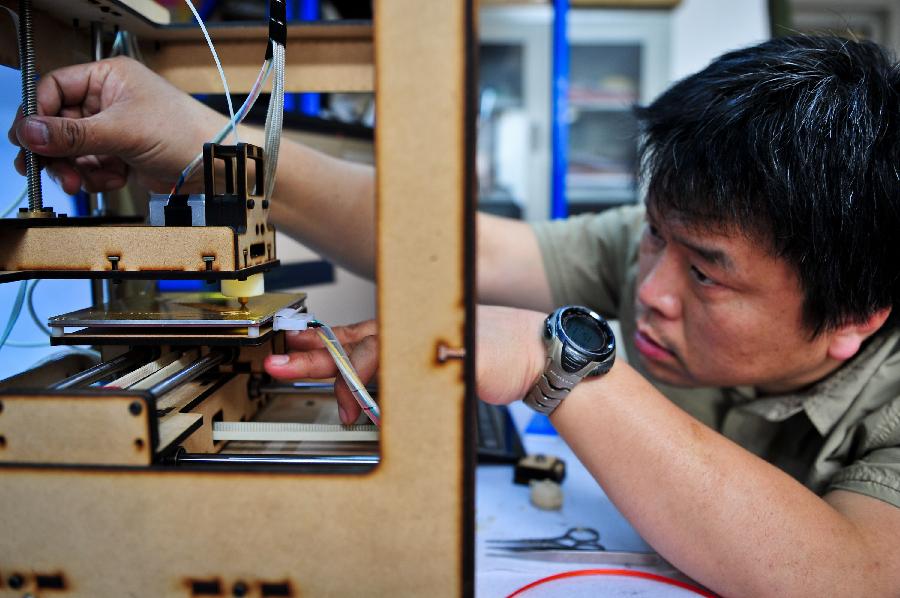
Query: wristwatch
pixel 579 343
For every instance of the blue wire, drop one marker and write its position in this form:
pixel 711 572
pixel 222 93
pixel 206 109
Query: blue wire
pixel 14 314
pixel 29 300
pixel 14 204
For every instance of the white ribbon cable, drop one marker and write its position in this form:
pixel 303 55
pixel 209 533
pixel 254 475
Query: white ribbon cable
pixel 242 113
pixel 218 66
pixel 348 373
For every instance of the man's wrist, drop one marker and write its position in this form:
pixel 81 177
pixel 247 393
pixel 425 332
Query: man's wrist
pixel 578 343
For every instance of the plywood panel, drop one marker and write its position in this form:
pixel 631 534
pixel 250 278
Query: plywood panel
pixel 82 429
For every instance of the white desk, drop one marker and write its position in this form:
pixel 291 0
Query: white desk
pixel 503 510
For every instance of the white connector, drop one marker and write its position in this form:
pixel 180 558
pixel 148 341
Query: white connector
pixel 291 318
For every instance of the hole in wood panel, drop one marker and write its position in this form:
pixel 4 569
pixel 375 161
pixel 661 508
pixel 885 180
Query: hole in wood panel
pixel 50 582
pixel 275 589
pixel 206 587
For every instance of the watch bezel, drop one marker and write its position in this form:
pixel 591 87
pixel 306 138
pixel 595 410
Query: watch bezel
pixel 602 354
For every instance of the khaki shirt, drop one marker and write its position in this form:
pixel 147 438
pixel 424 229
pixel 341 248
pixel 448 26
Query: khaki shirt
pixel 841 433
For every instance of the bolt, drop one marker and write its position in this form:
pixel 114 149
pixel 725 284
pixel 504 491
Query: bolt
pixel 135 408
pixel 239 589
pixel 15 581
pixel 446 353
pixel 114 261
pixel 251 204
pixel 265 204
pixel 208 260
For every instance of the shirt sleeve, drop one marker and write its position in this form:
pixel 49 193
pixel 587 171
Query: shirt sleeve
pixel 877 472
pixel 587 257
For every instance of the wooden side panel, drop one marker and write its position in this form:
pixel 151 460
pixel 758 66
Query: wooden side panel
pixel 420 156
pixel 100 430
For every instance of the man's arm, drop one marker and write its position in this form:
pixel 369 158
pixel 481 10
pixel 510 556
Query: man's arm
pixel 100 120
pixel 724 516
pixel 510 267
pixel 730 520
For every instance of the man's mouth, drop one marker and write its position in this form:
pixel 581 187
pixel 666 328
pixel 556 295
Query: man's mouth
pixel 650 348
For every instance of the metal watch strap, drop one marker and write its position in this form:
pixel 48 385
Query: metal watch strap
pixel 549 390
pixel 567 361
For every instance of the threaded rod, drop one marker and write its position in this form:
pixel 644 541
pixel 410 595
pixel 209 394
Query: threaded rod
pixel 29 102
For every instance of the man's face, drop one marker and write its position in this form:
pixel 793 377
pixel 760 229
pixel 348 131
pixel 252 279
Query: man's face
pixel 717 309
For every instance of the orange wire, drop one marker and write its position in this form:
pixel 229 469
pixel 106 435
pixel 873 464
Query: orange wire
pixel 620 573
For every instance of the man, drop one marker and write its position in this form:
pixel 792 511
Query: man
pixel 757 292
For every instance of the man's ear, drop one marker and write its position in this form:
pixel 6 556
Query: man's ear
pixel 846 340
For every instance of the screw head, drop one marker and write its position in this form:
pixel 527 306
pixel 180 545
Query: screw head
pixel 15 581
pixel 251 204
pixel 135 408
pixel 239 589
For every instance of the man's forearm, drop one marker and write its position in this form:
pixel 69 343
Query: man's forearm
pixel 719 513
pixel 327 204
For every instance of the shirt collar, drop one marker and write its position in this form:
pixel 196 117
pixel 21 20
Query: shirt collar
pixel 826 401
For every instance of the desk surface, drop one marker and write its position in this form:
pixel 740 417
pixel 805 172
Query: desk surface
pixel 503 510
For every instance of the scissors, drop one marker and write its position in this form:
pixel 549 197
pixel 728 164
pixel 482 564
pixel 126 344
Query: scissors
pixel 576 538
pixel 577 545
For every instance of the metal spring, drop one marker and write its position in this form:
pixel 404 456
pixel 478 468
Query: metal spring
pixel 29 102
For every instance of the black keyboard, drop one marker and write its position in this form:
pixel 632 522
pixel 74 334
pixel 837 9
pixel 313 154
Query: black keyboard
pixel 498 439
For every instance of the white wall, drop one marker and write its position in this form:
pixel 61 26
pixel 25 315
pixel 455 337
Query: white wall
pixel 704 29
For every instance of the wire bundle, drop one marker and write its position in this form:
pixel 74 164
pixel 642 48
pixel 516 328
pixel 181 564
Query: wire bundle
pixel 274 60
pixel 348 373
pixel 238 118
pixel 274 119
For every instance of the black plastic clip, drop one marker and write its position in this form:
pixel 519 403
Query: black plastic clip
pixel 277 25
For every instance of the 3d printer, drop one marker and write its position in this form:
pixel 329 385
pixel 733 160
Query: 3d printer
pixel 173 466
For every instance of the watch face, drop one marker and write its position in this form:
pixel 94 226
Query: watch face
pixel 584 331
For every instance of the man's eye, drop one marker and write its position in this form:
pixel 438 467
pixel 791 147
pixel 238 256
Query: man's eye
pixel 652 235
pixel 700 277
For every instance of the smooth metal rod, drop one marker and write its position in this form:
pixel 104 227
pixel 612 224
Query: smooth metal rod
pixel 241 460
pixel 96 40
pixel 29 102
pixel 200 366
pixel 100 370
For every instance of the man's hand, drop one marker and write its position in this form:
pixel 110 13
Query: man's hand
pixel 510 356
pixel 98 120
pixel 308 358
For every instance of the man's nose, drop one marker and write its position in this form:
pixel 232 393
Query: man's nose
pixel 660 287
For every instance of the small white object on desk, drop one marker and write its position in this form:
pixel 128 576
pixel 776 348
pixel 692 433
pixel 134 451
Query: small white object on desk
pixel 546 495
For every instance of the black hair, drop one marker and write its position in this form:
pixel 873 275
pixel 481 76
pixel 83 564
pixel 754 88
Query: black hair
pixel 794 142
